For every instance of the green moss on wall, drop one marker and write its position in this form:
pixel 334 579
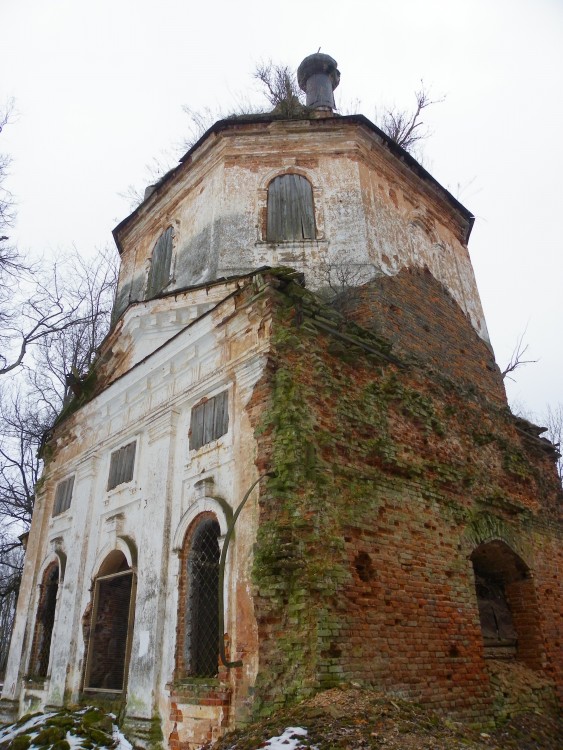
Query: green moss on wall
pixel 347 435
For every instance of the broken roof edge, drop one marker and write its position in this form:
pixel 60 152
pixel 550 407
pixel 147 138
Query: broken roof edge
pixel 258 119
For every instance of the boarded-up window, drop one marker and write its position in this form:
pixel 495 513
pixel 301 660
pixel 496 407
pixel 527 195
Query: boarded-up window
pixel 497 626
pixel 63 496
pixel 44 622
pixel 108 648
pixel 507 606
pixel 121 465
pixel 290 209
pixel 210 420
pixel 159 275
pixel 202 606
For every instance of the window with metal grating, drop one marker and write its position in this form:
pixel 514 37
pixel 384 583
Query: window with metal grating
pixel 202 621
pixel 209 420
pixel 121 465
pixel 159 274
pixel 63 496
pixel 291 215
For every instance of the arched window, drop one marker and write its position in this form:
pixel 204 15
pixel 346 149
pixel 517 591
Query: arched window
pixel 159 274
pixel 508 610
pixel 111 626
pixel 198 640
pixel 291 214
pixel 44 622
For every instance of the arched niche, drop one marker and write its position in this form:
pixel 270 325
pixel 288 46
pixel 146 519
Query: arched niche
pixel 508 608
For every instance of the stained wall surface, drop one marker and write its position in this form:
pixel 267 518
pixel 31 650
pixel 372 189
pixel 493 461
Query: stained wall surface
pixel 374 214
pixel 147 519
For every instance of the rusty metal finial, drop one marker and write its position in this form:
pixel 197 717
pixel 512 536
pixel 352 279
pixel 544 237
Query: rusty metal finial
pixel 318 76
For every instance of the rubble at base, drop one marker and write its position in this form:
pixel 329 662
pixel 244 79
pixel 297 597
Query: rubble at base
pixel 353 719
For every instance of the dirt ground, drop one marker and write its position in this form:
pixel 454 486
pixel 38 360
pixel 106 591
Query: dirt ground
pixel 359 718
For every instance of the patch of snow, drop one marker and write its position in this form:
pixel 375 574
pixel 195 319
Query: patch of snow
pixel 8 733
pixel 289 740
pixel 122 741
pixel 74 741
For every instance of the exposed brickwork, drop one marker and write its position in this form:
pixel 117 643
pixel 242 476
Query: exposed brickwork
pixel 420 317
pixel 200 712
pixel 387 478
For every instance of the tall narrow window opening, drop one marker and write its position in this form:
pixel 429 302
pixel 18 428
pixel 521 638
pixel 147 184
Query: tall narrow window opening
pixel 111 626
pixel 44 622
pixel 159 274
pixel 198 641
pixel 291 214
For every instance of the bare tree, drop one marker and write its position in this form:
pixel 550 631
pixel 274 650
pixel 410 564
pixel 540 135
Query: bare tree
pixel 406 127
pixel 62 359
pixel 38 300
pixel 280 87
pixel 517 358
pixel 554 422
pixel 10 576
pixel 30 402
pixel 6 200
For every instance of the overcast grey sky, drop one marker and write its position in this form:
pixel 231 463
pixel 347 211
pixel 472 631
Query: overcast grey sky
pixel 99 89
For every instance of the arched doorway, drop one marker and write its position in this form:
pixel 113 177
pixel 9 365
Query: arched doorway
pixel 111 626
pixel 508 610
pixel 44 622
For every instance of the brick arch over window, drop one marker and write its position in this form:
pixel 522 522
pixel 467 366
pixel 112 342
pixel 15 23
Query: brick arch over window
pixel 290 213
pixel 197 641
pixel 508 608
pixel 110 626
pixel 44 622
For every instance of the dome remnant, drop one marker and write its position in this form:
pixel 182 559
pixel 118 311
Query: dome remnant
pixel 318 76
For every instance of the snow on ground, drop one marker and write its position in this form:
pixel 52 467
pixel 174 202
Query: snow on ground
pixel 74 741
pixel 9 732
pixel 122 741
pixel 289 740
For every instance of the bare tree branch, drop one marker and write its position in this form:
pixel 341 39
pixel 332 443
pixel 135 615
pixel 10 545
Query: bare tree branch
pixel 406 127
pixel 517 359
pixel 280 87
pixel 554 423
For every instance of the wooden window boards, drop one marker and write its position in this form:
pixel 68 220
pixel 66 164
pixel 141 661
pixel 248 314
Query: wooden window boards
pixel 63 496
pixel 291 215
pixel 121 465
pixel 209 420
pixel 159 274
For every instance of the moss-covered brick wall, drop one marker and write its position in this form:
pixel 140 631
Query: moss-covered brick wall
pixel 387 476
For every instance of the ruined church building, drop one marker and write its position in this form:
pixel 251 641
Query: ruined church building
pixel 293 465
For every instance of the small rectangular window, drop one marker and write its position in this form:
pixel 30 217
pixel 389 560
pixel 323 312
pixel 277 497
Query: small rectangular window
pixel 210 420
pixel 63 496
pixel 121 465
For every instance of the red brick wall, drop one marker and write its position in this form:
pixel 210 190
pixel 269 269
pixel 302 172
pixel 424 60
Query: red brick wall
pixel 420 317
pixel 387 477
